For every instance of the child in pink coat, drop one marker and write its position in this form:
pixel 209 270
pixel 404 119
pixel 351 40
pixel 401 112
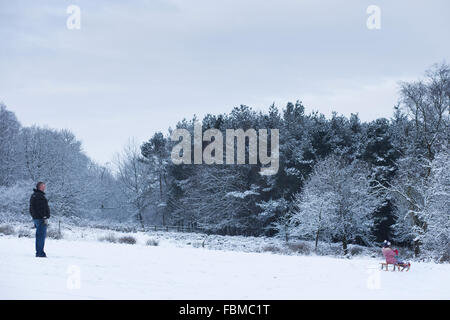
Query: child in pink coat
pixel 392 255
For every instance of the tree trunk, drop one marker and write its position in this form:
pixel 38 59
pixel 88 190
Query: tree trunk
pixel 416 248
pixel 416 222
pixel 317 239
pixel 318 229
pixel 286 233
pixel 141 220
pixel 344 245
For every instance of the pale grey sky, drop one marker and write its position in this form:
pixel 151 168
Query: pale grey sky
pixel 136 67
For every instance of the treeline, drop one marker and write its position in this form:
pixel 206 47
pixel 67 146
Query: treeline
pixel 339 179
pixel 77 187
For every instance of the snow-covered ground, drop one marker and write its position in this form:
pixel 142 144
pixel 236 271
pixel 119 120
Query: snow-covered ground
pixel 83 268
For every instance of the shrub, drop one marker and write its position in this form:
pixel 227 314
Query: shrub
pixel 299 247
pixel 271 248
pixel 127 240
pixel 54 234
pixel 355 250
pixel 110 237
pixel 24 233
pixel 152 242
pixel 445 256
pixel 197 244
pixel 6 229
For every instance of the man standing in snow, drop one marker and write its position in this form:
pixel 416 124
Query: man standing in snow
pixel 40 212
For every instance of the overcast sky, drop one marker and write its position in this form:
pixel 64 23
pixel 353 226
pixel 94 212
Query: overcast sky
pixel 136 67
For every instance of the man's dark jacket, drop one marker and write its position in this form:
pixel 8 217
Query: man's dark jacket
pixel 39 205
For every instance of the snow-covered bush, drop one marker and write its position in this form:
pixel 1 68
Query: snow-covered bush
pixel 24 233
pixel 303 248
pixel 445 257
pixel 53 233
pixel 152 242
pixel 356 250
pixel 110 237
pixel 272 248
pixel 7 230
pixel 127 240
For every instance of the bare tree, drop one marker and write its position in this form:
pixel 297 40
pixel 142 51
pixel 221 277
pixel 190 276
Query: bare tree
pixel 135 178
pixel 10 160
pixel 56 157
pixel 428 104
pixel 337 202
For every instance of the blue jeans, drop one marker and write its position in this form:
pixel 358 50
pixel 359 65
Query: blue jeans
pixel 41 233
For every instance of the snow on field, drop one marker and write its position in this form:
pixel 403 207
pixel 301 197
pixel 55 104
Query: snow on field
pixel 89 269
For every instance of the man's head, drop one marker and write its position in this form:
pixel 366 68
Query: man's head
pixel 40 186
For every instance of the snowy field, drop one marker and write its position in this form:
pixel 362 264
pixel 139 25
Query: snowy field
pixel 88 269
